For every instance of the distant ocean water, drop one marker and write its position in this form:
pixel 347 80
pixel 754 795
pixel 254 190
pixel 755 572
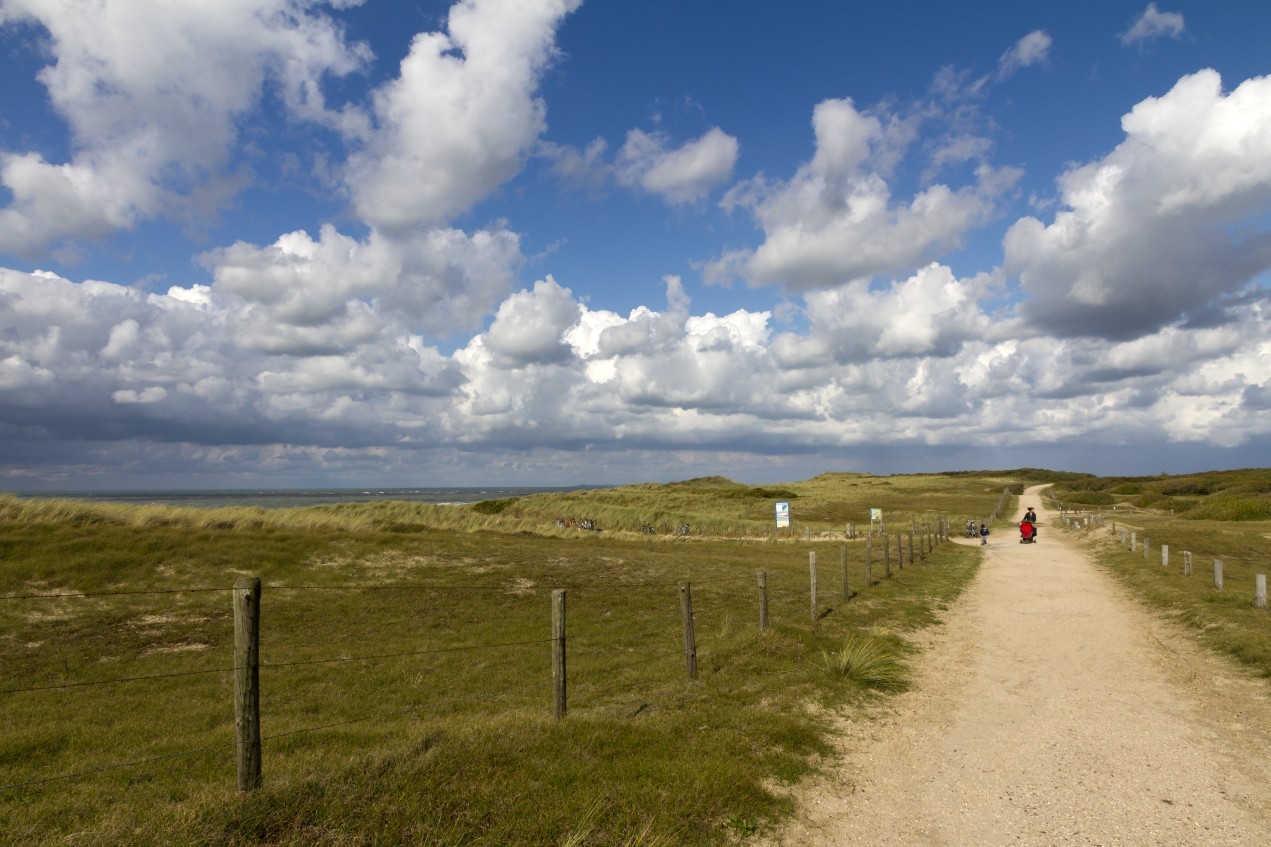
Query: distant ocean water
pixel 288 498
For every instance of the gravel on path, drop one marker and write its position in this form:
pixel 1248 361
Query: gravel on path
pixel 1050 709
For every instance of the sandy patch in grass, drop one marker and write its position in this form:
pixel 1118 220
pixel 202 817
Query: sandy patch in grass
pixel 520 586
pixel 192 647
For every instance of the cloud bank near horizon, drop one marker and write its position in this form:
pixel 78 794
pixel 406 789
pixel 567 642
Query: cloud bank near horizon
pixel 1128 311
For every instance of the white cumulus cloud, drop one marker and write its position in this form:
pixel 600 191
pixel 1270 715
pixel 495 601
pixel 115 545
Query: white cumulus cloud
pixel 153 94
pixel 1162 228
pixel 683 174
pixel 837 220
pixel 461 116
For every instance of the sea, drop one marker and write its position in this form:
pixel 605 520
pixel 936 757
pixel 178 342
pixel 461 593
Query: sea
pixel 290 498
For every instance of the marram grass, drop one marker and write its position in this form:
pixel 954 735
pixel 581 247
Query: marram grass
pixel 406 679
pixel 868 662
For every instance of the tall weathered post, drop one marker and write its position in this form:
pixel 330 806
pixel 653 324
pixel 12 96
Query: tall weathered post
pixel 843 569
pixel 559 685
pixel 812 577
pixel 247 681
pixel 690 640
pixel 763 600
pixel 869 560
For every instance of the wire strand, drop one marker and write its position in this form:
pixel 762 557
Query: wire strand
pixel 15 785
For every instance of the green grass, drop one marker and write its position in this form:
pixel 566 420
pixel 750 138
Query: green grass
pixel 406 687
pixel 869 662
pixel 1240 495
pixel 1225 620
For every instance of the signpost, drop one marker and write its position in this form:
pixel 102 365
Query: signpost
pixel 875 516
pixel 783 514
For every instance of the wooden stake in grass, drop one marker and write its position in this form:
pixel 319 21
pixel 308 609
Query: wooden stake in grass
pixel 1218 574
pixel 869 561
pixel 812 576
pixel 1187 563
pixel 247 681
pixel 763 600
pixel 843 569
pixel 1260 591
pixel 690 641
pixel 558 654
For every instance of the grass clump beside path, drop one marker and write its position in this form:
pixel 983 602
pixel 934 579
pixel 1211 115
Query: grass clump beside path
pixel 405 676
pixel 1226 619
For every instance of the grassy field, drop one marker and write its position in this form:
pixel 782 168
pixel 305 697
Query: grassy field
pixel 405 673
pixel 1220 515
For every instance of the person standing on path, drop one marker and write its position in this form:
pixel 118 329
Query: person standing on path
pixel 984 534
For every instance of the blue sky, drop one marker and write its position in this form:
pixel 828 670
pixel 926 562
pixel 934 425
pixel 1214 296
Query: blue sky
pixel 291 242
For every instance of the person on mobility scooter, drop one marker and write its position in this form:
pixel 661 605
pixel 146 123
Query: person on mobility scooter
pixel 1027 532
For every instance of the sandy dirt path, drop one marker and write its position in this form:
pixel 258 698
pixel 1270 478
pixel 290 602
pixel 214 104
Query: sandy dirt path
pixel 1050 709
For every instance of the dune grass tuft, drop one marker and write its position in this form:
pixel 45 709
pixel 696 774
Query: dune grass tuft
pixel 868 662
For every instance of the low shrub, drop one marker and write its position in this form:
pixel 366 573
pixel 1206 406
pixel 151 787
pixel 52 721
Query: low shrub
pixel 869 663
pixel 1090 498
pixel 492 507
pixel 1232 509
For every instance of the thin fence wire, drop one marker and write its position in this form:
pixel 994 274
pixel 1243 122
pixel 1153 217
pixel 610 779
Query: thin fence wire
pixel 116 680
pixel 383 656
pixel 669 584
pixel 105 768
pixel 780 586
pixel 139 593
pixel 271 665
pixel 590 675
pixel 606 640
pixel 416 707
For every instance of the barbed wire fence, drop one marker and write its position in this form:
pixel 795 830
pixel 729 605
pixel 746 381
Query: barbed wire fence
pixel 722 604
pixel 1136 540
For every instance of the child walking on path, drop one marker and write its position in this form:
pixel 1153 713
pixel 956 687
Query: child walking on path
pixel 984 534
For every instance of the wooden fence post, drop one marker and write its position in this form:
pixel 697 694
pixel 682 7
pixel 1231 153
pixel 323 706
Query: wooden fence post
pixel 247 681
pixel 690 641
pixel 1145 546
pixel 763 600
pixel 1187 563
pixel 812 575
pixel 886 555
pixel 1165 555
pixel 1218 574
pixel 911 548
pixel 1134 542
pixel 559 687
pixel 1260 591
pixel 900 552
pixel 869 561
pixel 843 570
